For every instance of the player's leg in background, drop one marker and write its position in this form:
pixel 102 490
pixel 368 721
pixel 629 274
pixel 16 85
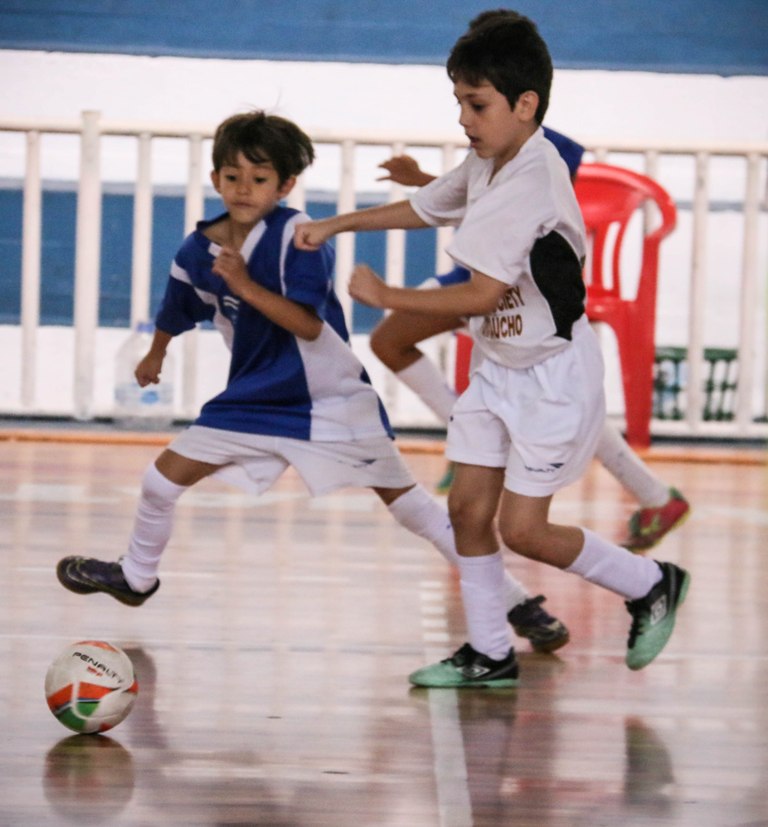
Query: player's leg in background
pixel 394 342
pixel 662 507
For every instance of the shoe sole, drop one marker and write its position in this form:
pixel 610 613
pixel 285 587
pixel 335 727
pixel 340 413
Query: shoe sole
pixel 686 582
pixel 637 545
pixel 549 646
pixel 437 677
pixel 502 683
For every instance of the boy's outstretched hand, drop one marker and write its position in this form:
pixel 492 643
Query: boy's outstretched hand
pixel 312 235
pixel 403 169
pixel 366 287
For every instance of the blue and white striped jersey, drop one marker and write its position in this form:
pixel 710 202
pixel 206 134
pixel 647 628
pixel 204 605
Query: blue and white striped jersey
pixel 278 384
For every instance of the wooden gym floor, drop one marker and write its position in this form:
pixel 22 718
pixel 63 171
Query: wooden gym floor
pixel 272 663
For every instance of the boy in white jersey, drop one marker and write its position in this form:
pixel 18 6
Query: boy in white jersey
pixel 296 394
pixel 530 419
pixel 394 340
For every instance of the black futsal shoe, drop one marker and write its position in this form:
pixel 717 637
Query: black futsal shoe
pixel 86 575
pixel 531 621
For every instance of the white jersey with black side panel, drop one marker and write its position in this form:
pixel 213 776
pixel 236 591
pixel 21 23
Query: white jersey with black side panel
pixel 523 227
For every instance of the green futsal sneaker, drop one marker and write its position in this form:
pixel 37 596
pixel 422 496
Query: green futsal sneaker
pixel 86 575
pixel 468 667
pixel 653 616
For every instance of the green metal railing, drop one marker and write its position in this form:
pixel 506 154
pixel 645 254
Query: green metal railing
pixel 720 383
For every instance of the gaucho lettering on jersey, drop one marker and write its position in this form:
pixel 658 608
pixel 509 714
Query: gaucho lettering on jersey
pixel 505 327
pixel 511 299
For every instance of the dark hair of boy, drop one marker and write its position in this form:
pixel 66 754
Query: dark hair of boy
pixel 505 49
pixel 263 139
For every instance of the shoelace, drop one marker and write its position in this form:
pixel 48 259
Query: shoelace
pixel 461 656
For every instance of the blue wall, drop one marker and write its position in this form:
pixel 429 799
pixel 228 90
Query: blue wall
pixel 58 254
pixel 689 36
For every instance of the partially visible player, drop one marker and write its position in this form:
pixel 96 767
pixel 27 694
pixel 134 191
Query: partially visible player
pixel 394 341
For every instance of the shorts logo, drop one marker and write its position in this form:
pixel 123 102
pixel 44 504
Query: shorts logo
pixel 361 463
pixel 550 469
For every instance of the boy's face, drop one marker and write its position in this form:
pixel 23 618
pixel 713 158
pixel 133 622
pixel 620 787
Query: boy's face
pixel 249 191
pixel 494 129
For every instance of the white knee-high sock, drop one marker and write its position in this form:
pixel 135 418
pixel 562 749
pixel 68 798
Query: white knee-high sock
pixel 425 379
pixel 151 529
pixel 627 467
pixel 425 517
pixel 482 592
pixel 615 568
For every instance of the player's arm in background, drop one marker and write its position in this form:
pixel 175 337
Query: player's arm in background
pixel 405 170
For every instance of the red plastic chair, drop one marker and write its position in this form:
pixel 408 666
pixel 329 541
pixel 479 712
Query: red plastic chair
pixel 462 361
pixel 609 198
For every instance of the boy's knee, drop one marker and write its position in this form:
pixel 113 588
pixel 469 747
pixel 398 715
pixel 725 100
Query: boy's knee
pixel 468 511
pixel 385 347
pixel 527 541
pixel 157 489
pixel 390 495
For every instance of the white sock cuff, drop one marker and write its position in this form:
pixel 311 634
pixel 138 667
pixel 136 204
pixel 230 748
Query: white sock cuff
pixel 157 487
pixel 495 560
pixel 407 503
pixel 422 515
pixel 614 568
pixel 428 383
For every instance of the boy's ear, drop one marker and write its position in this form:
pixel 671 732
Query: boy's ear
pixel 215 179
pixel 287 186
pixel 526 105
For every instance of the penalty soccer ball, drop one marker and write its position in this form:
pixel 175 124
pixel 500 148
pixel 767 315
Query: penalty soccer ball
pixel 91 686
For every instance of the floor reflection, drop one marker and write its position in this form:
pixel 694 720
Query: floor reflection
pixel 648 773
pixel 88 779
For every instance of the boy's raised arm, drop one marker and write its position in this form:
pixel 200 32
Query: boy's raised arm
pixel 397 216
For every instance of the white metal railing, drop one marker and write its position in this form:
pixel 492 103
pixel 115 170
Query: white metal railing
pixel 747 276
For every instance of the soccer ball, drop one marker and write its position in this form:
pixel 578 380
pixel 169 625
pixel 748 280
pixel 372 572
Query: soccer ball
pixel 91 686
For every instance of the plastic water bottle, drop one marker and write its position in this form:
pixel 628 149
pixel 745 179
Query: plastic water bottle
pixel 137 408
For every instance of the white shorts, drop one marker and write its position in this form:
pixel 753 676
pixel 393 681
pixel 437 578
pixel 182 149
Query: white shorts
pixel 541 424
pixel 255 461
